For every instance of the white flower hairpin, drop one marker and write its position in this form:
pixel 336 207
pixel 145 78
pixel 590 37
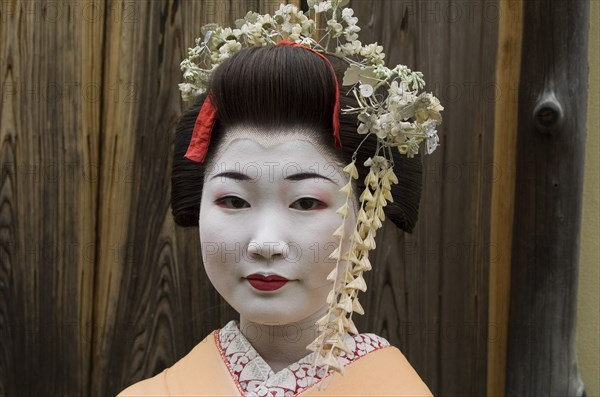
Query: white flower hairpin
pixel 390 106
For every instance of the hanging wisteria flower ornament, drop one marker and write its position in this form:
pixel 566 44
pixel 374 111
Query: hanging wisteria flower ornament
pixel 391 106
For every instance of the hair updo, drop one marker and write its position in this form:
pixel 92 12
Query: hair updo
pixel 276 87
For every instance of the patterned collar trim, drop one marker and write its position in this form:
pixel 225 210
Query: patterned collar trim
pixel 255 378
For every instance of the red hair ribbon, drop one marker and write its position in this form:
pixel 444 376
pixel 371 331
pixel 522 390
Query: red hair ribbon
pixel 208 116
pixel 202 128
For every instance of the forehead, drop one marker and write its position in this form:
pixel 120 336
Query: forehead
pixel 256 145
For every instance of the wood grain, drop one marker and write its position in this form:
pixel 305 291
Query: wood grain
pixel 541 358
pixel 49 129
pixel 503 190
pixel 428 292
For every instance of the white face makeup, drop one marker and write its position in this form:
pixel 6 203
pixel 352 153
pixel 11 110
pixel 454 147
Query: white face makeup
pixel 269 209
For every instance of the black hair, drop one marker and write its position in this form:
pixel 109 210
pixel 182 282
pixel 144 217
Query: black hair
pixel 276 87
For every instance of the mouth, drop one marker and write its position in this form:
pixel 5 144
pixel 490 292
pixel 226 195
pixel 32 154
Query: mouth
pixel 266 283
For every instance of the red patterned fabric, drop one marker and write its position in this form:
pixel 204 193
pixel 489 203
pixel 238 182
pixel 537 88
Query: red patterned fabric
pixel 253 376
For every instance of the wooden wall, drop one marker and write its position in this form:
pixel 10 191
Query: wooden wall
pixel 428 293
pixel 50 128
pixel 99 289
pixel 541 356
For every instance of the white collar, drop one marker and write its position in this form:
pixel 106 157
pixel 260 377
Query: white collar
pixel 254 377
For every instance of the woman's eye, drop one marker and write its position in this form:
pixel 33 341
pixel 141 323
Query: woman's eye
pixel 232 202
pixel 307 203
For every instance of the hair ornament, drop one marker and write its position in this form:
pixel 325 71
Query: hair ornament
pixel 207 117
pixel 391 106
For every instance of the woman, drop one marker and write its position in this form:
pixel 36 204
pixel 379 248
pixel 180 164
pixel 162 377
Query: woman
pixel 269 186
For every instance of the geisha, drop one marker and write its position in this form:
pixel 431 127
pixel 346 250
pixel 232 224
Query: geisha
pixel 288 163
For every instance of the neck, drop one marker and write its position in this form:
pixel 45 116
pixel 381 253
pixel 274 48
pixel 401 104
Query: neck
pixel 281 345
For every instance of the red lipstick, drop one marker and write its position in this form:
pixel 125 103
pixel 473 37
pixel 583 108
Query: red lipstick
pixel 266 283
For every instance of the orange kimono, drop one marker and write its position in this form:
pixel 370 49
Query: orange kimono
pixel 226 364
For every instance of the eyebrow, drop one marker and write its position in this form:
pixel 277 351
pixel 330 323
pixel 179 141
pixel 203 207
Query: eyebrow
pixel 306 175
pixel 238 176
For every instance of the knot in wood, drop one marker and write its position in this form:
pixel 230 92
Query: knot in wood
pixel 548 114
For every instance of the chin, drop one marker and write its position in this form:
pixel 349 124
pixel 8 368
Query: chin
pixel 273 314
pixel 270 316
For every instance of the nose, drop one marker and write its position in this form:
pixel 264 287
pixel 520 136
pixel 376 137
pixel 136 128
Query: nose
pixel 268 250
pixel 267 239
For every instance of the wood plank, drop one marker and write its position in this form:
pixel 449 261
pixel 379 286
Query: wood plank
pixel 49 129
pixel 429 291
pixel 503 189
pixel 541 356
